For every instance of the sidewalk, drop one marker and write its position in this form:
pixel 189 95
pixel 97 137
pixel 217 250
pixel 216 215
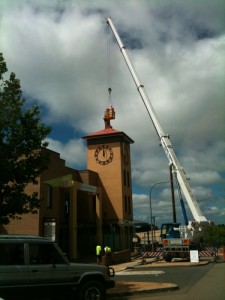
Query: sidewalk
pixel 124 288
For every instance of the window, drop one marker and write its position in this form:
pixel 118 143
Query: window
pixel 128 179
pixel 94 203
pixel 124 177
pixel 125 198
pixel 49 197
pixel 66 202
pixel 12 254
pixel 50 228
pixel 129 206
pixel 42 254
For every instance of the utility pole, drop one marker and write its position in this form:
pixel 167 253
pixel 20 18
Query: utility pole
pixel 172 194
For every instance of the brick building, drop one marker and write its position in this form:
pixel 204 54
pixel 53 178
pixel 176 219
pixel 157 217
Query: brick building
pixel 81 208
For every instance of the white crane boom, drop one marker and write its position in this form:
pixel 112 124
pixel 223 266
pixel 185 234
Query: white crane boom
pixel 164 139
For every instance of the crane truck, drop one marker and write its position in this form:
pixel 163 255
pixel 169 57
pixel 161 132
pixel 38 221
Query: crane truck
pixel 176 239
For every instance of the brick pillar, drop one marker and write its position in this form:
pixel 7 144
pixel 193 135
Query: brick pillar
pixel 73 223
pixel 99 217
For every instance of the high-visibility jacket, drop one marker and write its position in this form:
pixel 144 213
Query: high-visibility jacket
pixel 98 250
pixel 107 249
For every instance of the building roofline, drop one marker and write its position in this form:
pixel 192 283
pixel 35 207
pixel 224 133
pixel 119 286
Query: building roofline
pixel 108 132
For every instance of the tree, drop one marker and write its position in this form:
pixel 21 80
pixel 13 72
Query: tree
pixel 214 236
pixel 22 149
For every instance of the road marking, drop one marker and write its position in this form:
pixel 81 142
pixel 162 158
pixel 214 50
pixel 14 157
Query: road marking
pixel 140 272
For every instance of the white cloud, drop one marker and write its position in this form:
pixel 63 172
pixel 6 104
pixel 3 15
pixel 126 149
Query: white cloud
pixel 73 152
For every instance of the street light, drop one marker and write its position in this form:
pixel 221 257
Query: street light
pixel 150 206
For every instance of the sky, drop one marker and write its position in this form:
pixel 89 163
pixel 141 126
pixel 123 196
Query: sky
pixel 66 59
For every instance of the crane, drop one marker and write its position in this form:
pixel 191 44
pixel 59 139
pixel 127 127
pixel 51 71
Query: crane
pixel 164 138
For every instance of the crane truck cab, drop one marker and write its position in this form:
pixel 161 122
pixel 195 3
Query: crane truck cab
pixel 174 244
pixel 178 240
pixel 170 230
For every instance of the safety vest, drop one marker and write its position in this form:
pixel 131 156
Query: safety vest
pixel 98 250
pixel 107 249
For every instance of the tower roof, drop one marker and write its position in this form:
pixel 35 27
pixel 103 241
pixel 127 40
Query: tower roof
pixel 105 131
pixel 108 133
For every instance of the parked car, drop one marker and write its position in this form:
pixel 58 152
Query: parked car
pixel 34 267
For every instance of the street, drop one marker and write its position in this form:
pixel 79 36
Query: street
pixel 195 282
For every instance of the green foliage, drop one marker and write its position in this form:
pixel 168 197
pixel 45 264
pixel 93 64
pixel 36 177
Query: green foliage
pixel 22 145
pixel 214 236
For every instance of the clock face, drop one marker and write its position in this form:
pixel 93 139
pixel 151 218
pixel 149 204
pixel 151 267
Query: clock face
pixel 103 155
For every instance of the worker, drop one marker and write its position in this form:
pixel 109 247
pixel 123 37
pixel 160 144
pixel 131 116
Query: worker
pixel 107 257
pixel 107 250
pixel 99 254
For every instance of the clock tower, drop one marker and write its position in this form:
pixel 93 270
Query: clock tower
pixel 108 154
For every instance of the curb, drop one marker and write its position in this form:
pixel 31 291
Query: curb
pixel 169 287
pixel 137 265
pixel 172 264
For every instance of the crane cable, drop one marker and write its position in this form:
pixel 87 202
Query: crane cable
pixel 109 64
